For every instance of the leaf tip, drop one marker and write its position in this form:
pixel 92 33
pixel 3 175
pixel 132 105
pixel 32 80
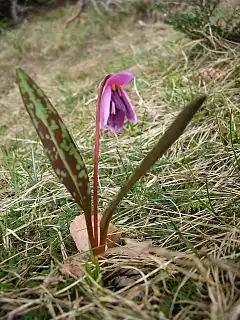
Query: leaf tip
pixel 203 97
pixel 19 73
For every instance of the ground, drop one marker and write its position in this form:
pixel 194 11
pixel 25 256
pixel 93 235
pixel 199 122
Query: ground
pixel 187 205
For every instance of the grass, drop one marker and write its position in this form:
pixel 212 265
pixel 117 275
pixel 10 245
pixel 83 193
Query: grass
pixel 188 205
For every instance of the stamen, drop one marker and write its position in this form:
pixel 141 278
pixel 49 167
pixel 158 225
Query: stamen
pixel 117 88
pixel 113 108
pixel 117 100
pixel 119 91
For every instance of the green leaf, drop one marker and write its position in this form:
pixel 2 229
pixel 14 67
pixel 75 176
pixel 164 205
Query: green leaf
pixel 59 146
pixel 170 136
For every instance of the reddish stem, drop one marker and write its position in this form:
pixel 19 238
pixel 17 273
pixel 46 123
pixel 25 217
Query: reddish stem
pixel 96 162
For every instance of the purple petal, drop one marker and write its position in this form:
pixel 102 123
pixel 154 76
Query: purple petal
pixel 120 78
pixel 130 113
pixel 116 121
pixel 105 106
pixel 119 103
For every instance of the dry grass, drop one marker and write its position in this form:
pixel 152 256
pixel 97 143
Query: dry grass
pixel 188 205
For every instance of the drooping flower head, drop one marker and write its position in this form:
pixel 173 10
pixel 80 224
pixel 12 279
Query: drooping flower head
pixel 115 103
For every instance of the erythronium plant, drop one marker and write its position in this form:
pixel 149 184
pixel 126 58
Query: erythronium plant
pixel 113 107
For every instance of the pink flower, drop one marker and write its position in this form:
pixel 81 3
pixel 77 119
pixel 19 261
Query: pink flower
pixel 115 103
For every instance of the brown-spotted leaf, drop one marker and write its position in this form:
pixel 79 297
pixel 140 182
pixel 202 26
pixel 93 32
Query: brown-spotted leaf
pixel 59 146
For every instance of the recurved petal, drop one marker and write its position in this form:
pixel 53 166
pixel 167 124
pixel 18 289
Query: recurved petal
pixel 120 78
pixel 130 112
pixel 105 106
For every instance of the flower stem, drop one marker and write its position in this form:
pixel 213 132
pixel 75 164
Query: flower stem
pixel 96 163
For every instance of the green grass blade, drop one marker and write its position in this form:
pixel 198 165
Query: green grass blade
pixel 60 148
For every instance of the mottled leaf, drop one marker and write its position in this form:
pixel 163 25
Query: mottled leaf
pixel 59 146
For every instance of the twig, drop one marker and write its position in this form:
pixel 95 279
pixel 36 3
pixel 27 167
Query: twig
pixel 81 4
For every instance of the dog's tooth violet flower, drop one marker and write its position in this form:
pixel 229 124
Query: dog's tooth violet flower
pixel 115 103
